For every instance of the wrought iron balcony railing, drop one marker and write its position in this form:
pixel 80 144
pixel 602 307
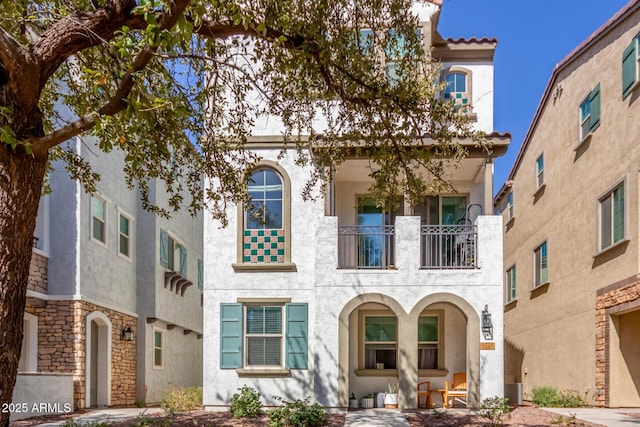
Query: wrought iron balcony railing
pixel 366 246
pixel 449 246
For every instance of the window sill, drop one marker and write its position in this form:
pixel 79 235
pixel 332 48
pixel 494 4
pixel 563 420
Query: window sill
pixel 611 247
pixel 583 141
pixel 511 302
pixel 539 190
pixel 376 372
pixel 539 287
pixel 263 373
pixel 433 372
pixel 510 221
pixel 264 268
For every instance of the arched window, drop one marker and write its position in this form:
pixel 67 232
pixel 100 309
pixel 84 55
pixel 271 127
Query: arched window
pixel 458 88
pixel 266 221
pixel 265 210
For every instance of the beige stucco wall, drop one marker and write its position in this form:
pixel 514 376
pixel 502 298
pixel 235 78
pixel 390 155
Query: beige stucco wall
pixel 550 332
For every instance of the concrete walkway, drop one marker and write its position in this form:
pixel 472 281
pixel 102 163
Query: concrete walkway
pixel 609 417
pixel 108 415
pixel 375 417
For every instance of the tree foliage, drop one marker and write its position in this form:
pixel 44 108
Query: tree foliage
pixel 178 85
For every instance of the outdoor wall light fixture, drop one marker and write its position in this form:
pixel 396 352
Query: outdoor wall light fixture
pixel 487 326
pixel 126 334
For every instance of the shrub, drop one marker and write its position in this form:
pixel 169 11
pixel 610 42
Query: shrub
pixel 549 397
pixel 298 413
pixel 181 399
pixel 246 404
pixel 546 397
pixel 494 408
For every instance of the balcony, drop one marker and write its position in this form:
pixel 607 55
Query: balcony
pixel 366 246
pixel 441 247
pixel 448 246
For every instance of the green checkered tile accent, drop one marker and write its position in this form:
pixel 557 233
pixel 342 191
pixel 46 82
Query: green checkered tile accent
pixel 263 246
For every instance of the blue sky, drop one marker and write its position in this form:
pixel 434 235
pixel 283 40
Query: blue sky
pixel 533 36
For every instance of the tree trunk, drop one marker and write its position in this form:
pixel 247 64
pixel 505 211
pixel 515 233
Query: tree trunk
pixel 21 178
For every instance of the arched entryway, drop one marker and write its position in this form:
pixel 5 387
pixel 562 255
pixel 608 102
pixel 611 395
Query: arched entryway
pixel 459 344
pixel 368 352
pixel 98 360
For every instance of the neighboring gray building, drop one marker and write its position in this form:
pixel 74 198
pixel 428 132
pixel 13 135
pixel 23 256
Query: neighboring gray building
pixel 115 296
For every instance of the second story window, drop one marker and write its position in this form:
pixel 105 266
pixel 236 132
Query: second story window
pixel 511 284
pixel 540 267
pixel 124 236
pixel 590 113
pixel 98 219
pixel 611 217
pixel 173 255
pixel 265 189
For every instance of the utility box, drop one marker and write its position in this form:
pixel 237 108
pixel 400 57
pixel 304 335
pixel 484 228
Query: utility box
pixel 513 392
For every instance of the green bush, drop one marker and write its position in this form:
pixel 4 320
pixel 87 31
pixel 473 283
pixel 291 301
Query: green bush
pixel 549 397
pixel 246 404
pixel 298 413
pixel 181 399
pixel 545 396
pixel 494 408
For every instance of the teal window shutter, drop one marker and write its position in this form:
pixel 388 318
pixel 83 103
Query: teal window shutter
pixel 164 248
pixel 628 69
pixel 594 99
pixel 183 261
pixel 200 274
pixel 297 341
pixel 230 336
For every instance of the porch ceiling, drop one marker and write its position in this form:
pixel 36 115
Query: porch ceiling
pixel 358 170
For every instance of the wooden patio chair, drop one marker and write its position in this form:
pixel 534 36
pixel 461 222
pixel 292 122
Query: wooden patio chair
pixel 424 393
pixel 457 389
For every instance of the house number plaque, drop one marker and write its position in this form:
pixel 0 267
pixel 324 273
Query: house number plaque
pixel 487 346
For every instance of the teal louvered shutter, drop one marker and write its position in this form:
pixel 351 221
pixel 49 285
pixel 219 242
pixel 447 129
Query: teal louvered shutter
pixel 297 342
pixel 230 336
pixel 200 274
pixel 594 99
pixel 183 261
pixel 628 69
pixel 164 248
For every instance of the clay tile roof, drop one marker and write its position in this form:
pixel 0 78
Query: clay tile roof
pixel 473 40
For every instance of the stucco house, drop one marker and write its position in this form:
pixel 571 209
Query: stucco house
pixel 114 301
pixel 334 297
pixel 570 207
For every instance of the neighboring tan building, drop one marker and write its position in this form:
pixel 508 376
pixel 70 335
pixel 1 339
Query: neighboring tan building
pixel 114 297
pixel 570 207
pixel 335 297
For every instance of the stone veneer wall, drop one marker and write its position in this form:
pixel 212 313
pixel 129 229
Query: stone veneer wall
pixel 61 347
pixel 38 273
pixel 620 296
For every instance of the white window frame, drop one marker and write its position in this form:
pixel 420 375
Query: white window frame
pixel 539 282
pixel 511 282
pixel 509 209
pixel 585 121
pixel 105 220
pixel 161 348
pixel 173 247
pixel 608 194
pixel 42 233
pixel 129 218
pixel 540 171
pixel 247 336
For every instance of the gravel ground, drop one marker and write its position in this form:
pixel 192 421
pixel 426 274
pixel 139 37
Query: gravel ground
pixel 521 416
